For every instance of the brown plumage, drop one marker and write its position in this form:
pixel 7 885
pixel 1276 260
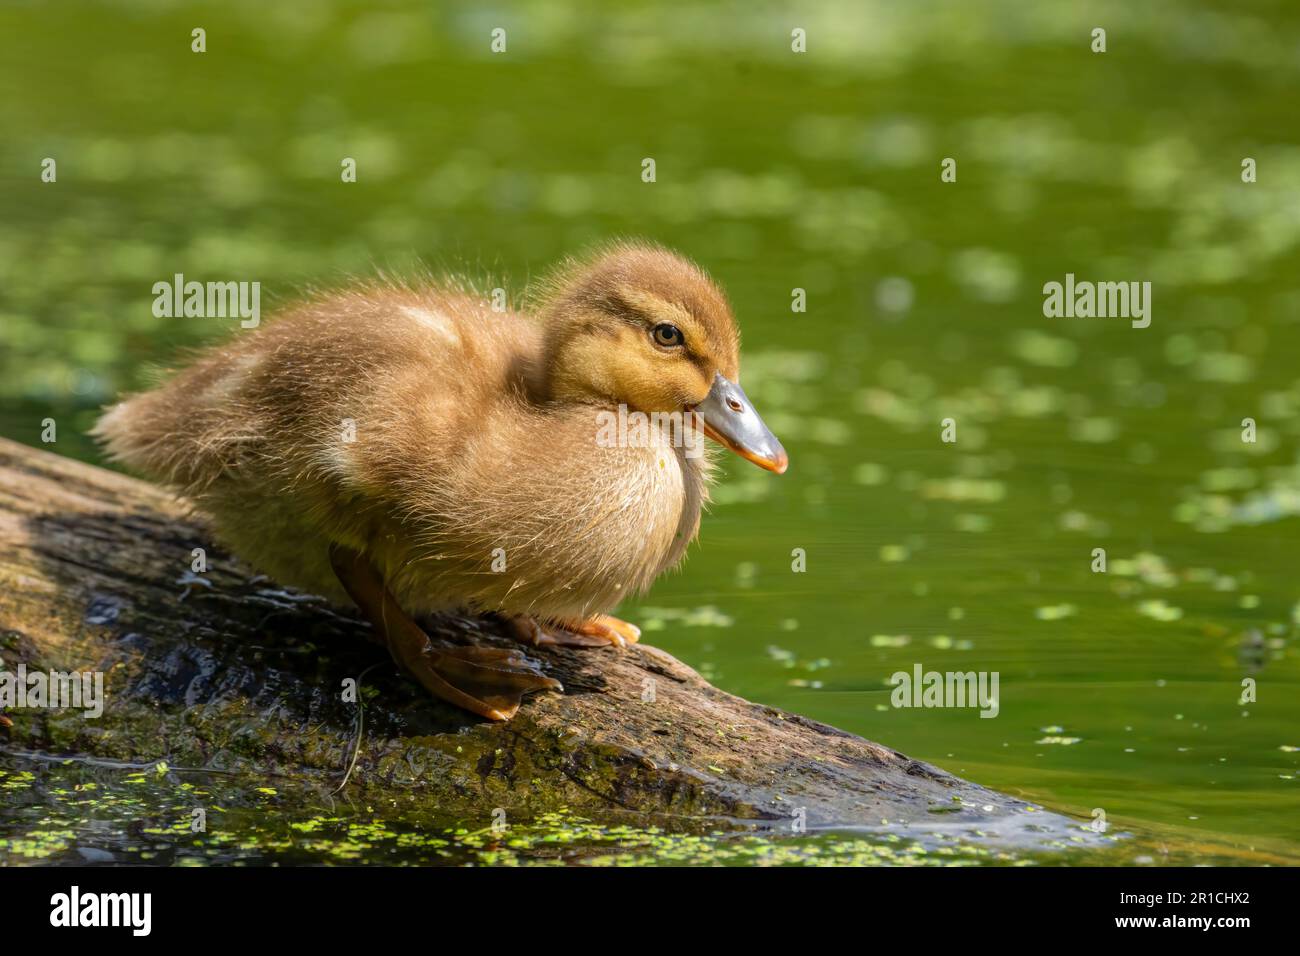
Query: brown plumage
pixel 452 448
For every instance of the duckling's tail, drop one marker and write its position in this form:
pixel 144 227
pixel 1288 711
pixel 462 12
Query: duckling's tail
pixel 162 436
pixel 142 433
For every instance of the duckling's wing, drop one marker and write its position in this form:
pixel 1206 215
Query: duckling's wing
pixel 188 431
pixel 394 365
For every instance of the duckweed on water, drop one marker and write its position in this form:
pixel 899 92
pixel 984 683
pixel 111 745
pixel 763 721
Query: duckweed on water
pixel 65 818
pixel 1055 612
pixel 659 618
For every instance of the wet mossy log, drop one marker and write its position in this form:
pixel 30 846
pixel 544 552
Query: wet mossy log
pixel 225 670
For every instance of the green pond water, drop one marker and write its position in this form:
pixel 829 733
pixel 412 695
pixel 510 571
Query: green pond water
pixel 1119 691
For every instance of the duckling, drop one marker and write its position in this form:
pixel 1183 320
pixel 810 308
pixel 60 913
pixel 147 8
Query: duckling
pixel 413 449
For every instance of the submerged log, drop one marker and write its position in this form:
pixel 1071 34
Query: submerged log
pixel 224 670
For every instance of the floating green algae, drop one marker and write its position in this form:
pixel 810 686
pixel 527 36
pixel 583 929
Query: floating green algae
pixel 73 813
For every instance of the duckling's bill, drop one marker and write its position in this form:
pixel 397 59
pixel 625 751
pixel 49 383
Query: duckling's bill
pixel 731 420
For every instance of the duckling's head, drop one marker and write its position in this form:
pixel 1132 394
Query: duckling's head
pixel 639 325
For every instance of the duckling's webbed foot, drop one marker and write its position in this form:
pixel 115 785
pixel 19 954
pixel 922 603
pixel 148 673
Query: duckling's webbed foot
pixel 487 681
pixel 493 679
pixel 602 630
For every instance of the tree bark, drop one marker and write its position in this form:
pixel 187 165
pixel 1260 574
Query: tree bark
pixel 226 670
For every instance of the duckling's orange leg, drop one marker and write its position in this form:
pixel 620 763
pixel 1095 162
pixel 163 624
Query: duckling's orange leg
pixel 601 630
pixel 487 681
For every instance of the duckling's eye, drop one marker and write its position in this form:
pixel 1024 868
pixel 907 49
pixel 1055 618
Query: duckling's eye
pixel 667 335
